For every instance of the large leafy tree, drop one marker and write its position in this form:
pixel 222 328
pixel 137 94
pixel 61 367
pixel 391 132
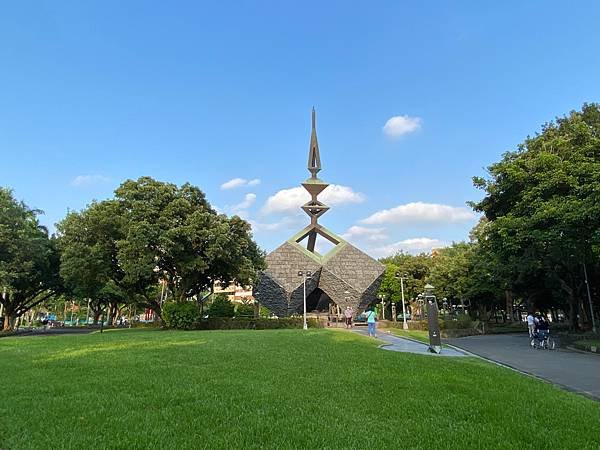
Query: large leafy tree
pixel 90 266
pixel 543 206
pixel 119 250
pixel 29 260
pixel 174 235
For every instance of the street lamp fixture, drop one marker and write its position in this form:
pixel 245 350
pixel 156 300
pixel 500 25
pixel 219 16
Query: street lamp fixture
pixel 304 274
pixel 402 276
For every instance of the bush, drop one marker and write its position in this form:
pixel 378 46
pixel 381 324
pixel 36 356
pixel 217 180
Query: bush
pixel 244 311
pixel 221 307
pixel 180 315
pixel 245 323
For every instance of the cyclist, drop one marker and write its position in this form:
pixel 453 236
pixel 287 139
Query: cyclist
pixel 543 328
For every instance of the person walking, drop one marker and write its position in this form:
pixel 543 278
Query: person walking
pixel 348 313
pixel 371 315
pixel 530 324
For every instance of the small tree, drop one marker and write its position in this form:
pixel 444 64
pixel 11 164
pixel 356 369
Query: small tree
pixel 221 307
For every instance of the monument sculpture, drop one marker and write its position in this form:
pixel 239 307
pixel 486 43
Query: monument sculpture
pixel 343 276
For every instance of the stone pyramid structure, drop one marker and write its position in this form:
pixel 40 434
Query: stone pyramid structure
pixel 344 275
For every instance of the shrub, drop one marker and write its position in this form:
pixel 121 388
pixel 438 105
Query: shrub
pixel 180 315
pixel 221 307
pixel 244 311
pixel 246 323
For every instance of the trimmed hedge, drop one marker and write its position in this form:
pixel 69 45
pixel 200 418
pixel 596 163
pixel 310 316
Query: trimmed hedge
pixel 180 315
pixel 423 325
pixel 250 323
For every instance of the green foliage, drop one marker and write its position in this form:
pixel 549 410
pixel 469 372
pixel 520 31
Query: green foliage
pixel 118 251
pixel 249 323
pixel 29 259
pixel 221 306
pixel 244 310
pixel 180 315
pixel 177 231
pixel 415 270
pixel 542 206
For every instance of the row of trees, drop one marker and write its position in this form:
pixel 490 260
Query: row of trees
pixel 121 251
pixel 538 242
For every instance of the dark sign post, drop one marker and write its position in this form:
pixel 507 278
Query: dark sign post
pixel 435 340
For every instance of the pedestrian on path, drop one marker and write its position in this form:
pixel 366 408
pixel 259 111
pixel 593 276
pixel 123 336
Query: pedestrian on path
pixel 530 324
pixel 348 313
pixel 371 315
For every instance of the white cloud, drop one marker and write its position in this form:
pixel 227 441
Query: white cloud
pixel 414 246
pixel 288 222
pixel 358 233
pixel 239 182
pixel 400 125
pixel 86 180
pixel 249 200
pixel 290 200
pixel 420 212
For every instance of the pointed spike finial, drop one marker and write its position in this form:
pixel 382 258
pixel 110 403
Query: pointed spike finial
pixel 314 159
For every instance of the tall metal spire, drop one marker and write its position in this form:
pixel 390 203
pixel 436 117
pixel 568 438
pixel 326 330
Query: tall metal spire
pixel 314 208
pixel 314 158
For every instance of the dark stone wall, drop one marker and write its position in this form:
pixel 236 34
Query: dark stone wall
pixel 350 278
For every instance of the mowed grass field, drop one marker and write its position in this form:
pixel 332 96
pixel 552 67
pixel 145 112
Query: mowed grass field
pixel 271 389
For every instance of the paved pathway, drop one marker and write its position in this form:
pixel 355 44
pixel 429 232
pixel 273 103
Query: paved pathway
pixel 398 344
pixel 579 372
pixel 52 331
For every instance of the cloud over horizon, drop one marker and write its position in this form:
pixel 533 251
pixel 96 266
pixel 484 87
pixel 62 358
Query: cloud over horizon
pixel 398 126
pixel 413 246
pixel 87 180
pixel 239 182
pixel 420 212
pixel 290 200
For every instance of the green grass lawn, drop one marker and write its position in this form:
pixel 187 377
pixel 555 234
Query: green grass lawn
pixel 275 389
pixel 417 335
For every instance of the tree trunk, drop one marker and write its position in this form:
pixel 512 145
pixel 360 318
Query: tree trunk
pixel 9 321
pixel 573 313
pixel 509 305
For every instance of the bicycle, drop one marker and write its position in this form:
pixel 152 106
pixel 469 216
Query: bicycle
pixel 542 341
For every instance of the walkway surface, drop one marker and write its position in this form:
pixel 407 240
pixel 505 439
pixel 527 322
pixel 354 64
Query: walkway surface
pixel 52 331
pixel 398 344
pixel 575 371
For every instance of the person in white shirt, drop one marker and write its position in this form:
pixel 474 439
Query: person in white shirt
pixel 348 313
pixel 531 324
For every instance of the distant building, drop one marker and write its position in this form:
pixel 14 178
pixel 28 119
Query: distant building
pixel 234 292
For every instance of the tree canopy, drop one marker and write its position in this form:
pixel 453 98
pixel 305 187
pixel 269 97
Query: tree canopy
pixel 29 261
pixel 121 249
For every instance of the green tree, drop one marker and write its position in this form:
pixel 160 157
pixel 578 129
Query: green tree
pixel 90 266
pixel 415 268
pixel 173 234
pixel 543 206
pixel 29 260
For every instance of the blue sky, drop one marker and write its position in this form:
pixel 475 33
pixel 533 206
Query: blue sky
pixel 93 93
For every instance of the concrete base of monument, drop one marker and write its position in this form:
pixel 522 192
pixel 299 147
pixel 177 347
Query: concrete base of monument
pixel 398 344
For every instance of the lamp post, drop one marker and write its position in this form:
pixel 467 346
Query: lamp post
pixel 401 276
pixel 304 274
pixel 587 285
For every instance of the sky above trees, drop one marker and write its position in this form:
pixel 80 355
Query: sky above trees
pixel 412 100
